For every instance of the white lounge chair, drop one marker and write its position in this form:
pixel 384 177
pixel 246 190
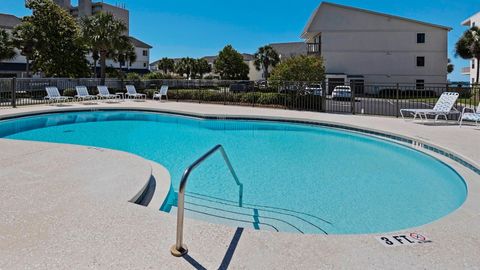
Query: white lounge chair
pixel 105 94
pixel 471 116
pixel 132 93
pixel 53 95
pixel 443 107
pixel 162 93
pixel 82 93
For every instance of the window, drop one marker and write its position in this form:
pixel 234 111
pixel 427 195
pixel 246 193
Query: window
pixel 145 53
pixel 420 38
pixel 144 64
pixel 420 84
pixel 420 61
pixel 473 63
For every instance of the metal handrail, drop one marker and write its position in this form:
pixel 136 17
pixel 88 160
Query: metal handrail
pixel 179 249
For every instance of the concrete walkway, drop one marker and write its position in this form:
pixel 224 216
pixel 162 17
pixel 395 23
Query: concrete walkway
pixel 52 217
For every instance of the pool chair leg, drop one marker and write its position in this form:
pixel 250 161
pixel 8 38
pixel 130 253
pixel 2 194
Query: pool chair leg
pixel 401 113
pixel 419 116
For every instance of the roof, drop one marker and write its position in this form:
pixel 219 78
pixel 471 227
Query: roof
pixel 468 21
pixel 8 21
pixel 289 49
pixel 314 14
pixel 138 43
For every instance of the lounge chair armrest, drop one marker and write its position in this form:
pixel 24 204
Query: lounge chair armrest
pixel 467 108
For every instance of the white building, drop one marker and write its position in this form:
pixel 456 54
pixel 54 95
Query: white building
pixel 289 49
pixel 471 70
pixel 89 8
pixel 16 67
pixel 13 67
pixel 371 47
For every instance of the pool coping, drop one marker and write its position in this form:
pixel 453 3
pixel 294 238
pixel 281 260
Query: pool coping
pixel 436 226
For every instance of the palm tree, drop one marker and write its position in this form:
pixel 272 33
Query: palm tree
pixel 7 49
pixel 265 58
pixel 95 57
pixel 201 67
pixel 166 65
pixel 468 46
pixel 185 67
pixel 102 33
pixel 24 40
pixel 125 52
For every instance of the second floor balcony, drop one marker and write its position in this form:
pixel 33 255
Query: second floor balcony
pixel 314 49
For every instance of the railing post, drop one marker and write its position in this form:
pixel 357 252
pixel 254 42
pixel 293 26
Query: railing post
pixel 179 249
pixel 352 89
pixel 14 92
pixel 397 100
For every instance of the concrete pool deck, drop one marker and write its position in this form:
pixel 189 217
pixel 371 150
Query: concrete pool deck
pixel 54 218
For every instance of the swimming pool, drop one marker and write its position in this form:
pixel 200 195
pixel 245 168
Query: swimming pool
pixel 297 177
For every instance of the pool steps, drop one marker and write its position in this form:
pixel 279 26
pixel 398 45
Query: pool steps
pixel 212 209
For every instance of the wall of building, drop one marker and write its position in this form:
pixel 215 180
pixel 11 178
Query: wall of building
pixel 119 13
pixel 473 63
pixel 382 49
pixel 17 65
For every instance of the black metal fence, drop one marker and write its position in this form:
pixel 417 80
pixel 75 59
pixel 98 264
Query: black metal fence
pixel 370 99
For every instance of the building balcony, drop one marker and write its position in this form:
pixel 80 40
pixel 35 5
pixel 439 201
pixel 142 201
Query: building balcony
pixel 314 49
pixel 466 70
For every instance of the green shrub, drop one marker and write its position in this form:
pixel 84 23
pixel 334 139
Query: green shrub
pixel 269 99
pixel 149 92
pixel 69 92
pixel 250 97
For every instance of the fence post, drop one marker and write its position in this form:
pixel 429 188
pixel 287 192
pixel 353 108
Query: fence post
pixel 352 88
pixel 14 92
pixel 397 100
pixel 324 97
pixel 224 90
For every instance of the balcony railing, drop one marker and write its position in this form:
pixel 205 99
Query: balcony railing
pixel 314 48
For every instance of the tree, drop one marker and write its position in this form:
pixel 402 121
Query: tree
pixel 450 66
pixel 125 52
pixel 185 66
pixel 230 65
pixel 24 40
pixel 468 46
pixel 265 58
pixel 7 49
pixel 166 65
pixel 201 67
pixel 103 33
pixel 58 50
pixel 301 69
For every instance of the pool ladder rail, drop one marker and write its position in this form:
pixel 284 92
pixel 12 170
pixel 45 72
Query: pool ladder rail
pixel 180 249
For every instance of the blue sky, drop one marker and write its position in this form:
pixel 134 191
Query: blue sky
pixel 177 28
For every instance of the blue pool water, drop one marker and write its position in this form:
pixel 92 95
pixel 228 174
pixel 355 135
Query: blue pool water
pixel 297 178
